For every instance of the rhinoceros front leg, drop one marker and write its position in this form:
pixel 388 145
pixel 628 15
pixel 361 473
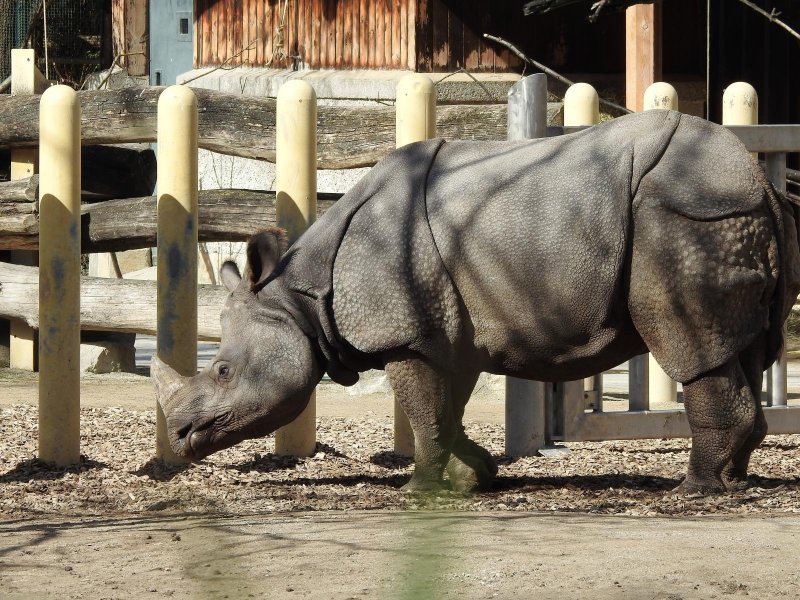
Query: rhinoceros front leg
pixel 722 414
pixel 424 394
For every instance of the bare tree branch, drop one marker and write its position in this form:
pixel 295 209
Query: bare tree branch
pixel 115 63
pixel 772 16
pixel 548 70
pixel 539 7
pixel 224 64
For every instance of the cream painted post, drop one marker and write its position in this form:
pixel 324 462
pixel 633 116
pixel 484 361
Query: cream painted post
pixel 176 301
pixel 660 95
pixel 662 388
pixel 740 105
pixel 581 105
pixel 25 80
pixel 59 276
pixel 582 108
pixel 415 120
pixel 296 209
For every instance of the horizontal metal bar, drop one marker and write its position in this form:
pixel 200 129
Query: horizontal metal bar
pixel 643 424
pixel 782 419
pixel 661 424
pixel 768 138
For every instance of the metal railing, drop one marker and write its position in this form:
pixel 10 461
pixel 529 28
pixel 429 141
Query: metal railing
pixel 573 411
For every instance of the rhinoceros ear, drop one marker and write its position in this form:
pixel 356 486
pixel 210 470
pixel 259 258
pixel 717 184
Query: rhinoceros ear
pixel 264 250
pixel 229 274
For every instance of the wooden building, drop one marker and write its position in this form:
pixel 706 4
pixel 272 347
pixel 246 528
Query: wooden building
pixel 423 35
pixel 446 35
pixel 428 35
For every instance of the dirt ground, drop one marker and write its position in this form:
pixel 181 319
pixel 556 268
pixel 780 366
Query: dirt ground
pixel 599 521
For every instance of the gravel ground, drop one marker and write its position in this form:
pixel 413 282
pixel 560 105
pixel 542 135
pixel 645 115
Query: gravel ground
pixel 354 469
pixel 247 523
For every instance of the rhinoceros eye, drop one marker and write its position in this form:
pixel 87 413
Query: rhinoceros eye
pixel 223 371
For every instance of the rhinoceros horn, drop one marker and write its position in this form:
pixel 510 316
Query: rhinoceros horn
pixel 167 382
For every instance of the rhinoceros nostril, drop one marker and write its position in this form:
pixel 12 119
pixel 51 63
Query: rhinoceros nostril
pixel 184 431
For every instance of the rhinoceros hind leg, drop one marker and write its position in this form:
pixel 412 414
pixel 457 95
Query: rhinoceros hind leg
pixel 735 473
pixel 424 394
pixel 721 410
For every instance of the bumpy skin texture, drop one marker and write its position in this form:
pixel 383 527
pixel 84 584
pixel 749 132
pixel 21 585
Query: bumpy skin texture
pixel 552 260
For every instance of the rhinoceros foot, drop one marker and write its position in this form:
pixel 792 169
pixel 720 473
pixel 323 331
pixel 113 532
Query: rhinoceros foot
pixel 698 489
pixel 471 468
pixel 468 476
pixel 735 482
pixel 423 486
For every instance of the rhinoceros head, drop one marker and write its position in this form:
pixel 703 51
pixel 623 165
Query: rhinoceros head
pixel 260 379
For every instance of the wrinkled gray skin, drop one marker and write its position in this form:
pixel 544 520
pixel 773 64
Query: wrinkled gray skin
pixel 549 260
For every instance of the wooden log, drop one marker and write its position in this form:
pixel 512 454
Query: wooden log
pixel 117 172
pixel 121 305
pixel 18 207
pixel 108 171
pixel 116 225
pixel 244 126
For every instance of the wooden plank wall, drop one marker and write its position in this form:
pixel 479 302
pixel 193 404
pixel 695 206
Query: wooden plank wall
pixel 320 33
pixel 449 35
pixel 129 29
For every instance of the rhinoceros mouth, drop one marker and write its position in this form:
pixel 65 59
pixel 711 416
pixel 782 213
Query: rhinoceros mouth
pixel 196 440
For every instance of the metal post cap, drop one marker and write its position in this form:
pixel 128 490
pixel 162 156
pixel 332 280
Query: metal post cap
pixel 740 104
pixel 580 91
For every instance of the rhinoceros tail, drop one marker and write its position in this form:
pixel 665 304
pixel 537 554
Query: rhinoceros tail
pixel 786 262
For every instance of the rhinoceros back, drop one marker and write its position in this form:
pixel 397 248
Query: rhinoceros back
pixel 540 258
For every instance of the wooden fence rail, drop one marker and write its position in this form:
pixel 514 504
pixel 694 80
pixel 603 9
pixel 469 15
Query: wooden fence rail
pixel 130 223
pixel 244 125
pixel 123 305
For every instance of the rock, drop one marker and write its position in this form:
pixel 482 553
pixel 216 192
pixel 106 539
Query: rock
pixel 108 357
pixel 376 382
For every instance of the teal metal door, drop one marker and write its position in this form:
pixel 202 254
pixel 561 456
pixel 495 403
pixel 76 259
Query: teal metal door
pixel 170 40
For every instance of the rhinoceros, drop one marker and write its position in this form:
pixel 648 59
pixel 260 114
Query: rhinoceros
pixel 547 259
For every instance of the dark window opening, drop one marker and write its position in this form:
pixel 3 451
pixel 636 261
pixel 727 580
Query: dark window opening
pixel 183 26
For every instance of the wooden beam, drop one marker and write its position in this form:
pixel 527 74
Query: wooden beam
pixel 642 52
pixel 122 305
pixel 244 126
